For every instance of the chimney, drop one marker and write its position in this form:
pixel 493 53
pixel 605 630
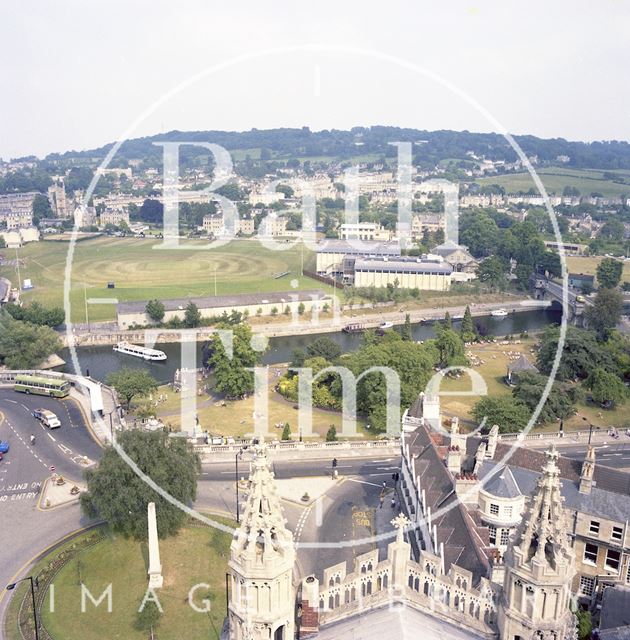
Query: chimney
pixel 309 606
pixel 588 469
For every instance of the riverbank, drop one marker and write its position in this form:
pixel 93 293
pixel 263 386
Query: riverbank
pixel 107 334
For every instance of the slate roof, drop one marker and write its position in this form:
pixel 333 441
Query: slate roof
pixel 615 608
pixel 213 302
pixel 520 365
pixel 502 484
pixel 463 539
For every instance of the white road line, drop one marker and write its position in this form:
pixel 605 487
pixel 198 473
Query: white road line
pixel 50 436
pixel 11 401
pixel 365 481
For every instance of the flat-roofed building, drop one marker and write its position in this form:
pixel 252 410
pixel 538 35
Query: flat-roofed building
pixel 570 248
pixel 131 314
pixel 331 253
pixel 404 273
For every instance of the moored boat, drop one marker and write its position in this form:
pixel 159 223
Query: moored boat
pixel 139 351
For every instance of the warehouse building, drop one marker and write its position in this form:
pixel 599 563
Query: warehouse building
pixel 404 273
pixel 332 253
pixel 132 314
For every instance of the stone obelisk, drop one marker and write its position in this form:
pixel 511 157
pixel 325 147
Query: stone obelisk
pixel 155 568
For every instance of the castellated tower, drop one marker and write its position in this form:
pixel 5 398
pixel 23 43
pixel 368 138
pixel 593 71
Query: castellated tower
pixel 539 567
pixel 262 555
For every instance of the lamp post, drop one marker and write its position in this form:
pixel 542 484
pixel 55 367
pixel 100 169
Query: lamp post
pixel 590 429
pixel 237 457
pixel 12 586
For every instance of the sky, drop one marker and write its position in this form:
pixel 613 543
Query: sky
pixel 76 74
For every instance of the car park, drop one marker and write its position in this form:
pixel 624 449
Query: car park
pixel 47 418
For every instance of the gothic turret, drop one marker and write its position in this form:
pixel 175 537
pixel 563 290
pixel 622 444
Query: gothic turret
pixel 262 555
pixel 588 470
pixel 539 567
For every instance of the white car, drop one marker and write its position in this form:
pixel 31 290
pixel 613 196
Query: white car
pixel 47 418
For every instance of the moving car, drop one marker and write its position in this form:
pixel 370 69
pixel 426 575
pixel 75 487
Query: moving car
pixel 47 418
pixel 4 446
pixel 580 299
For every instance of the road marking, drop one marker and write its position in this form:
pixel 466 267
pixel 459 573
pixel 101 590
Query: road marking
pixel 365 481
pixel 11 401
pixel 50 436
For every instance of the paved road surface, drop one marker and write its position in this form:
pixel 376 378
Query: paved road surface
pixel 25 529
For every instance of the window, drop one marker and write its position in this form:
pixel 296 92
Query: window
pixel 507 511
pixel 628 573
pixel 590 553
pixel 594 528
pixel 505 536
pixel 587 585
pixel 494 509
pixel 617 533
pixel 493 534
pixel 613 560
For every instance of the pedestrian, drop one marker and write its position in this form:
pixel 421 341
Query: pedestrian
pixel 393 503
pixel 384 484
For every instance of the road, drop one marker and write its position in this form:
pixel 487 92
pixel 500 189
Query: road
pixel 612 454
pixel 25 529
pixel 332 520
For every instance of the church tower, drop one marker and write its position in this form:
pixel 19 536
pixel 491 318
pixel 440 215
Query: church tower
pixel 539 567
pixel 262 555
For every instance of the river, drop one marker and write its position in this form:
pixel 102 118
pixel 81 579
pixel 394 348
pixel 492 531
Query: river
pixel 101 360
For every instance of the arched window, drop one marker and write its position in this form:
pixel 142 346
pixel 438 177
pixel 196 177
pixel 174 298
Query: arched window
pixel 337 601
pixel 410 581
pixel 379 583
pixel 337 580
pixel 347 596
pixel 426 588
pixel 331 582
pixel 363 568
pixel 331 602
pixel 369 587
pixel 416 584
pixel 385 581
pixel 353 594
pixel 369 567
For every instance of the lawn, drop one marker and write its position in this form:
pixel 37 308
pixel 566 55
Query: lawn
pixel 495 358
pixel 196 555
pixel 588 265
pixel 556 178
pixel 140 271
pixel 235 417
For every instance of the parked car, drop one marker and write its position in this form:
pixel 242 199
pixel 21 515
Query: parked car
pixel 4 446
pixel 47 418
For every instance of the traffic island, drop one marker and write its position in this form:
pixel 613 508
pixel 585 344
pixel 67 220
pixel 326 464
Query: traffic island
pixel 58 491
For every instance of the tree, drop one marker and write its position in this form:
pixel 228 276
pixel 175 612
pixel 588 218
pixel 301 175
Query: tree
pixel 301 308
pixel 585 624
pixel 231 375
pixel 406 333
pixel 560 402
pixel 451 348
pixel 192 316
pixel 612 231
pixel 119 496
pixel 35 313
pixel 298 358
pixel 130 383
pixel 331 434
pixel 155 310
pixel 492 272
pixel 3 244
pixel 606 388
pixel 580 355
pixel 324 347
pixel 468 331
pixel 479 233
pixel 506 412
pixel 24 345
pixel 609 273
pixel 606 310
pixel 149 618
pixel 286 432
pixel 151 211
pixel 448 323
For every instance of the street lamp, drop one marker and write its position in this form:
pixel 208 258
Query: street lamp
pixel 590 429
pixel 237 457
pixel 34 582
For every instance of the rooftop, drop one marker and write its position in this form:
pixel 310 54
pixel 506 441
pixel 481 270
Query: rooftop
pixel 412 265
pixel 236 300
pixel 359 247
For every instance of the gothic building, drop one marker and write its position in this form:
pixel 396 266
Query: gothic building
pixel 445 586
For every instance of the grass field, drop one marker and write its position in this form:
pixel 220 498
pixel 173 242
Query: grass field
pixel 196 555
pixel 588 265
pixel 493 370
pixel 556 178
pixel 140 271
pixel 235 417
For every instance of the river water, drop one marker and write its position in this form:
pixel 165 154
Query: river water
pixel 98 361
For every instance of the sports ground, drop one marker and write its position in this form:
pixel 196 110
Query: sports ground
pixel 141 271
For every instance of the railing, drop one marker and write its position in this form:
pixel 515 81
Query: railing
pixel 548 435
pixel 300 446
